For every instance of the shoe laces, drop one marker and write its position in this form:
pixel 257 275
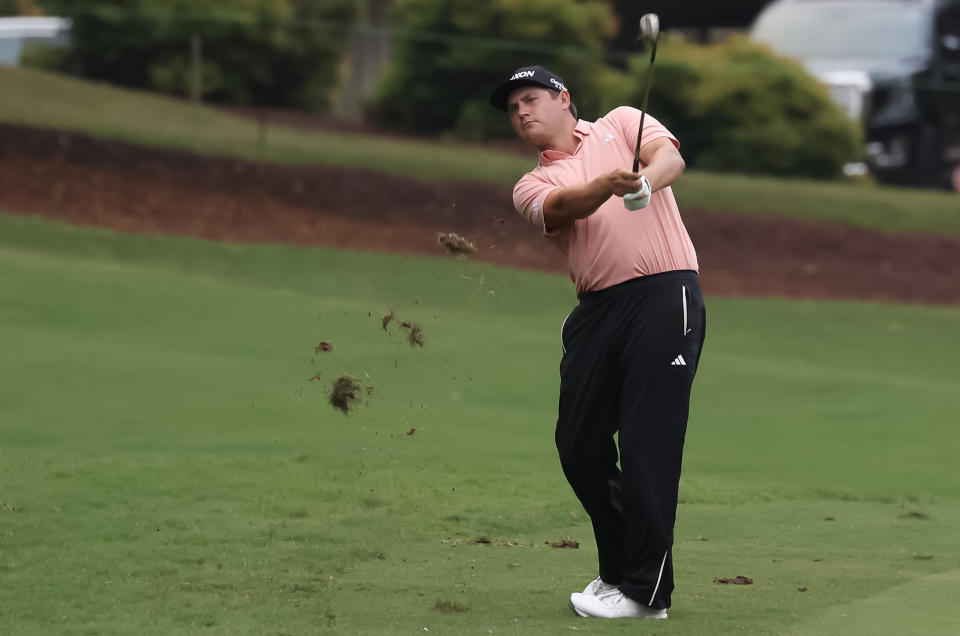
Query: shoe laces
pixel 610 597
pixel 598 586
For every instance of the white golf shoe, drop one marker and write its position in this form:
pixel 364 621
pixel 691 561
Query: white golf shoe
pixel 612 604
pixel 595 587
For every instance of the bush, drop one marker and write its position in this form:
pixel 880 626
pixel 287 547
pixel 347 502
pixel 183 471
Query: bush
pixel 445 63
pixel 262 52
pixel 735 106
pixel 19 7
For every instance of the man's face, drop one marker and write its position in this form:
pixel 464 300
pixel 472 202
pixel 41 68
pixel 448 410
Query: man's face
pixel 537 113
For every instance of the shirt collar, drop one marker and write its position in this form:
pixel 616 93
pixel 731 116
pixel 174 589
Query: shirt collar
pixel 581 130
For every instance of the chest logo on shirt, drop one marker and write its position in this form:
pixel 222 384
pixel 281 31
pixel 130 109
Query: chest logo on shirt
pixel 607 139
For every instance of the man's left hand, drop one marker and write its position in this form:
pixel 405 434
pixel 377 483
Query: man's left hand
pixel 641 198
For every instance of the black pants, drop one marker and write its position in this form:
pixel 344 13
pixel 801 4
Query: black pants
pixel 630 353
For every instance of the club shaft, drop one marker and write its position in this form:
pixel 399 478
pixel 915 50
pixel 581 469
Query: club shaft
pixel 643 108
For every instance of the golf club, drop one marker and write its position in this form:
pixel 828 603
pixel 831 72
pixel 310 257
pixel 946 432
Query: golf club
pixel 649 34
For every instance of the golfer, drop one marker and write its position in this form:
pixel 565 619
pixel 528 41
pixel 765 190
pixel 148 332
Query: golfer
pixel 632 344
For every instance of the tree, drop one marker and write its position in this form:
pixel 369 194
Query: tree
pixel 262 52
pixel 19 7
pixel 736 106
pixel 697 14
pixel 448 56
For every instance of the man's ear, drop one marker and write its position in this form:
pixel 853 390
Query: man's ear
pixel 568 102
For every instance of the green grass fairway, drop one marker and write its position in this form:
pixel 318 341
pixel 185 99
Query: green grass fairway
pixel 167 467
pixel 47 100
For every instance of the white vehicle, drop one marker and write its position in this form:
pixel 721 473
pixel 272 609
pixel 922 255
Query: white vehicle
pixel 894 65
pixel 16 32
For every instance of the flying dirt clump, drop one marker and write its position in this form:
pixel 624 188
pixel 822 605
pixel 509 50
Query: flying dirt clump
pixel 345 393
pixel 456 244
pixel 414 331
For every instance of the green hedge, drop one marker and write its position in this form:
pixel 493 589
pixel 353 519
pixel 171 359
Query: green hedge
pixel 450 54
pixel 735 106
pixel 19 7
pixel 262 52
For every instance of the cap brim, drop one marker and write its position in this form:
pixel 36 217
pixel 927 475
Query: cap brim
pixel 500 95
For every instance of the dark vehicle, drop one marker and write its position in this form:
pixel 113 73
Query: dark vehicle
pixel 894 64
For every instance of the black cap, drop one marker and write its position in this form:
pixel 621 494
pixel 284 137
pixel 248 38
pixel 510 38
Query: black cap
pixel 526 76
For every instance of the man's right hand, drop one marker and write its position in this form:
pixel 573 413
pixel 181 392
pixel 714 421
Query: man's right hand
pixel 621 182
pixel 565 205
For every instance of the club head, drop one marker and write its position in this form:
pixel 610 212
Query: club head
pixel 649 28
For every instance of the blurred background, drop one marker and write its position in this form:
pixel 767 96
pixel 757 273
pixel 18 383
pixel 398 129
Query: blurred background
pixel 816 132
pixel 794 88
pixel 212 211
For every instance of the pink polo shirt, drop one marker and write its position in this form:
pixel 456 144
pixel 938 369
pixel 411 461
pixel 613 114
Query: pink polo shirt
pixel 613 244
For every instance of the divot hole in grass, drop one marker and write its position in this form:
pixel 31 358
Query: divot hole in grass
pixel 450 607
pixel 374 502
pixel 736 580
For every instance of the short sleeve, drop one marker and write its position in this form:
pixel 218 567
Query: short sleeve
pixel 627 119
pixel 529 195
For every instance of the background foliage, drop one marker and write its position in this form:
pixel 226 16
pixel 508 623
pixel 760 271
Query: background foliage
pixel 735 106
pixel 443 84
pixel 261 52
pixel 19 7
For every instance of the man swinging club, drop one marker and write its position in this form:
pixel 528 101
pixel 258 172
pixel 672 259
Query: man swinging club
pixel 632 344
